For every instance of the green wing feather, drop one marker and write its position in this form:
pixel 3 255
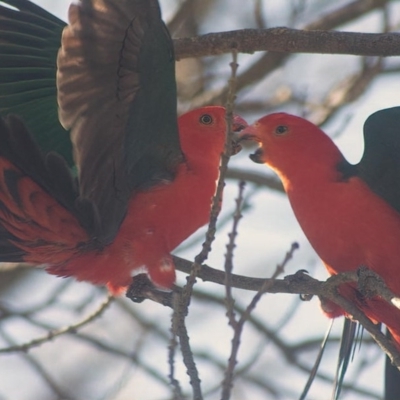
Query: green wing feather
pixel 29 41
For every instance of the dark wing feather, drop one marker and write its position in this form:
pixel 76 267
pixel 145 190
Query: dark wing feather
pixel 380 169
pixel 117 93
pixel 40 212
pixel 380 164
pixel 51 172
pixel 29 41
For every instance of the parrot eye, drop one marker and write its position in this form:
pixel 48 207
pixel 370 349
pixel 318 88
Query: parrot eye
pixel 281 129
pixel 206 119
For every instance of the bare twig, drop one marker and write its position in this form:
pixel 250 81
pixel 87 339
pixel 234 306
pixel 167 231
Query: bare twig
pixel 182 301
pixel 238 325
pixel 229 301
pixel 58 332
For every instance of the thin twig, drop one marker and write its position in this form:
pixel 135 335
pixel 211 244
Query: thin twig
pixel 58 332
pixel 227 384
pixel 182 301
pixel 229 301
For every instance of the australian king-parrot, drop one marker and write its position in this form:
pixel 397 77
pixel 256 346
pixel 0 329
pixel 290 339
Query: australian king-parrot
pixel 349 213
pixel 145 179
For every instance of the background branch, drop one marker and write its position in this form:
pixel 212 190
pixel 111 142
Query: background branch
pixel 286 40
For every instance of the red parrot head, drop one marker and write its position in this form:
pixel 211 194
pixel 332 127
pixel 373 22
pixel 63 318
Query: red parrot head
pixel 208 131
pixel 287 142
pixel 271 132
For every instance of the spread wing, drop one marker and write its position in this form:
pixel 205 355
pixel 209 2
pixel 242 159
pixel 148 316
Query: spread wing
pixel 380 164
pixel 29 41
pixel 117 94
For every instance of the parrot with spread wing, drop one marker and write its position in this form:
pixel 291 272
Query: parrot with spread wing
pixel 349 213
pixel 145 179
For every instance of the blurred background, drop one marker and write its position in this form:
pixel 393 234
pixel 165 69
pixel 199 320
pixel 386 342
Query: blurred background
pixel 123 354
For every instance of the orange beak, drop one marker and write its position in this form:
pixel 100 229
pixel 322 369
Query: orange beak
pixel 248 133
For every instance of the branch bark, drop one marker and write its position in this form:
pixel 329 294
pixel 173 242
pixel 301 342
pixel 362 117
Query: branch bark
pixel 286 40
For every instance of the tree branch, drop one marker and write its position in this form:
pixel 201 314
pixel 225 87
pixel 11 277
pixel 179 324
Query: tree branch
pixel 270 61
pixel 287 40
pixel 303 284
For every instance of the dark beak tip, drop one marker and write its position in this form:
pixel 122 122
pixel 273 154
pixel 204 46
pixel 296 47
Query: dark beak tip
pixel 257 157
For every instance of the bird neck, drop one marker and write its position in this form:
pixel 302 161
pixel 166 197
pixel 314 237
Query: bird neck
pixel 203 161
pixel 315 175
pixel 307 163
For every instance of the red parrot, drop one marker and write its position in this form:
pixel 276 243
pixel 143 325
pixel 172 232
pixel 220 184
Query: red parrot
pixel 43 220
pixel 349 213
pixel 145 180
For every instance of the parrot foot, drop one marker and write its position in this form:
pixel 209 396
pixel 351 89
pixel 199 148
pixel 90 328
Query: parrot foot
pixel 370 285
pixel 143 288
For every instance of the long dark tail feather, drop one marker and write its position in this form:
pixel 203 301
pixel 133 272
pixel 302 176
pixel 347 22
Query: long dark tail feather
pixel 352 332
pixel 392 379
pixel 346 353
pixel 314 370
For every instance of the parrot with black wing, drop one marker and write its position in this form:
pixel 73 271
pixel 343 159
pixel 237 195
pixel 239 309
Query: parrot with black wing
pixel 145 179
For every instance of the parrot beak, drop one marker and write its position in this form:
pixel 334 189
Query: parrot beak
pixel 238 125
pixel 258 156
pixel 250 133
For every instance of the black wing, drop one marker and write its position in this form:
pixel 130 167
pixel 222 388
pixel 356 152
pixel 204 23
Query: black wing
pixel 380 164
pixel 39 199
pixel 29 41
pixel 379 168
pixel 117 94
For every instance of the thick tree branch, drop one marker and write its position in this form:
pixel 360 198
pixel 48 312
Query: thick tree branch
pixel 301 283
pixel 272 60
pixel 304 284
pixel 252 40
pixel 286 40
